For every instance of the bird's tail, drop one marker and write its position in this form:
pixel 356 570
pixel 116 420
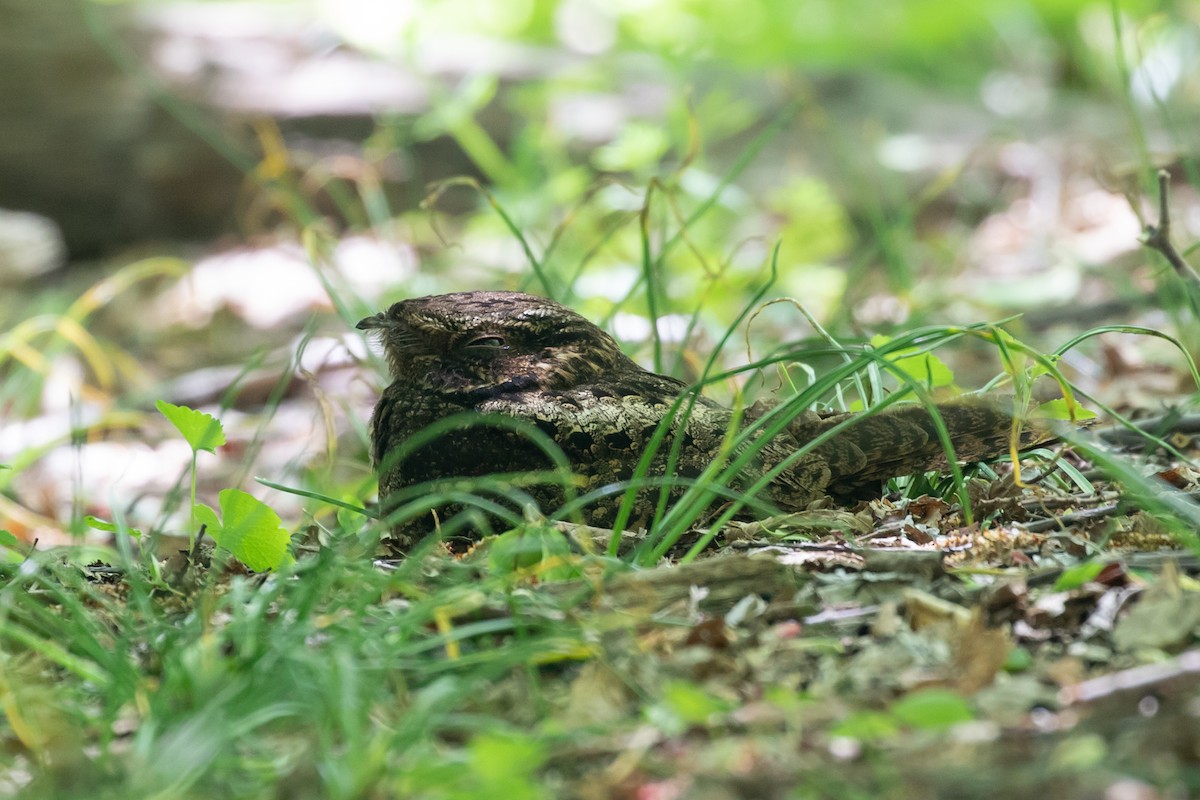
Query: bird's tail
pixel 904 439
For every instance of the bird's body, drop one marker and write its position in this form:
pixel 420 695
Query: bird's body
pixel 513 356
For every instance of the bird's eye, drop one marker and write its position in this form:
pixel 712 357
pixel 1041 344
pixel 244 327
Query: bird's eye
pixel 486 342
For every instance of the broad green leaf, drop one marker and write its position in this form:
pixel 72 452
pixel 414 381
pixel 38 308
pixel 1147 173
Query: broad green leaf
pixel 932 709
pixel 249 529
pixel 110 527
pixel 202 431
pixel 8 539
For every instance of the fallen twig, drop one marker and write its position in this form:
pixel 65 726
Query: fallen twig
pixel 1137 679
pixel 1170 422
pixel 1066 520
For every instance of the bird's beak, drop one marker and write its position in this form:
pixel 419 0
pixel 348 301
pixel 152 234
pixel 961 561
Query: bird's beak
pixel 380 320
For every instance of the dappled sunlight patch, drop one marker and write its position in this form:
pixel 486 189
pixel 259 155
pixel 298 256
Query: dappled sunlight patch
pixel 267 287
pixel 124 475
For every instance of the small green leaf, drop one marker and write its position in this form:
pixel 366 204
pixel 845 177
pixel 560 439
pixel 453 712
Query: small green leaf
pixel 507 760
pixel 639 145
pixel 8 539
pixel 536 548
pixel 1080 753
pixel 110 527
pixel 249 529
pixel 207 518
pixel 924 368
pixel 350 521
pixel 1078 575
pixel 202 431
pixel 692 704
pixel 932 709
pixel 866 726
pixel 1019 659
pixel 1059 409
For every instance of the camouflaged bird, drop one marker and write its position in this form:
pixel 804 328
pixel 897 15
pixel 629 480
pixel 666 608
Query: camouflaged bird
pixel 517 356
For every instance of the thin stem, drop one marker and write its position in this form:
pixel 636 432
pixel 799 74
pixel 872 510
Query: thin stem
pixel 1158 237
pixel 192 522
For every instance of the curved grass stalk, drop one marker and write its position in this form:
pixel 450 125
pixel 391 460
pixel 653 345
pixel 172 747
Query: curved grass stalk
pixel 534 262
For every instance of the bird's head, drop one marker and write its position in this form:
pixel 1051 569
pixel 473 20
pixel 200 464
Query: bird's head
pixel 481 343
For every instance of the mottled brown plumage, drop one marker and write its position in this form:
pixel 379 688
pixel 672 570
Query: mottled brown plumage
pixel 522 357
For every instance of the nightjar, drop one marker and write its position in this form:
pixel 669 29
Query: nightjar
pixel 523 362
